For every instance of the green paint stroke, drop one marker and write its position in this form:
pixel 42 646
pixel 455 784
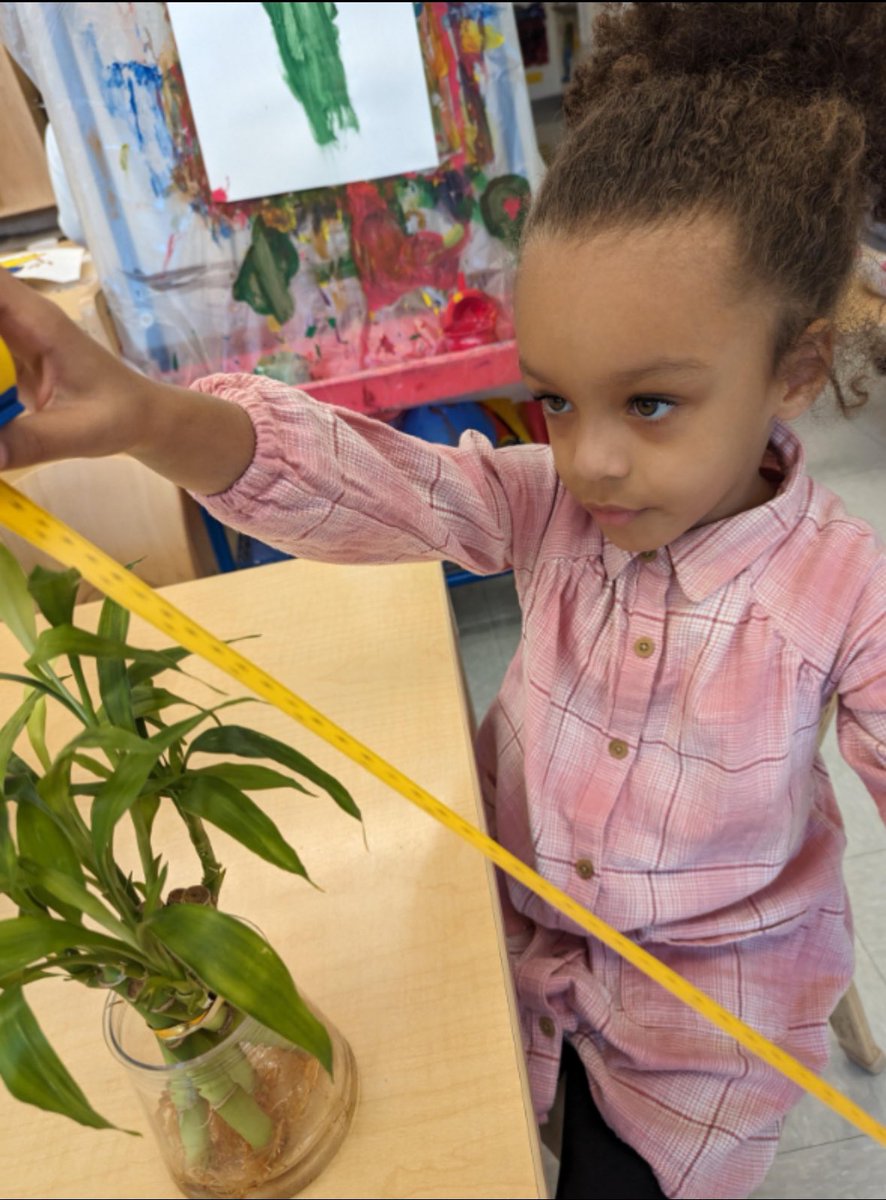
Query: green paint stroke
pixel 263 279
pixel 307 39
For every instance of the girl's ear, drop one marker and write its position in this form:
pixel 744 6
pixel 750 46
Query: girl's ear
pixel 806 369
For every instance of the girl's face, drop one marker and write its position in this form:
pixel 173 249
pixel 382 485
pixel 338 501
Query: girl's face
pixel 655 381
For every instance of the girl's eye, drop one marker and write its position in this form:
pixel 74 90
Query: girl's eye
pixel 553 406
pixel 651 408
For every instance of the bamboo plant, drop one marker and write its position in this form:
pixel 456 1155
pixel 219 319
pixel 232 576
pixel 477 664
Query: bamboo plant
pixel 78 914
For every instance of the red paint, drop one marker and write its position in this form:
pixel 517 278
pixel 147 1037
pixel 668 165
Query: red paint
pixel 440 16
pixel 391 262
pixel 470 320
pixel 170 246
pixel 512 206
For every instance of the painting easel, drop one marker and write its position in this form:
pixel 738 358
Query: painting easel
pixel 377 295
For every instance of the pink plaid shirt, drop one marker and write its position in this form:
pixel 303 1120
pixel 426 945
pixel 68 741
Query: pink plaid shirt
pixel 653 750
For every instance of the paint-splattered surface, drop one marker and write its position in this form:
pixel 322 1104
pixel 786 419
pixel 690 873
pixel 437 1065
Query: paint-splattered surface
pixel 308 286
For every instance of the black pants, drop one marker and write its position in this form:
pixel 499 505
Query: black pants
pixel 595 1164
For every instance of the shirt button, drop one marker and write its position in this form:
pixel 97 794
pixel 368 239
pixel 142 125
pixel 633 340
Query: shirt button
pixel 618 748
pixel 547 1026
pixel 648 555
pixel 643 647
pixel 585 868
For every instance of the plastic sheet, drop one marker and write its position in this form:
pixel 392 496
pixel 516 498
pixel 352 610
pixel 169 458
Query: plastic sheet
pixel 309 286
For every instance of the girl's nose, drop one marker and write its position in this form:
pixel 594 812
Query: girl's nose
pixel 599 455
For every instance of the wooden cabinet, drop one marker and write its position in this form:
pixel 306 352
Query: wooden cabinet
pixel 24 177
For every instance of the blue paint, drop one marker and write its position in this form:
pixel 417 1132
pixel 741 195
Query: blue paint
pixel 473 12
pixel 134 91
pixel 82 103
pixel 502 66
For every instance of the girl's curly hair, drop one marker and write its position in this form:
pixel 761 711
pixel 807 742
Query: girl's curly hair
pixel 770 115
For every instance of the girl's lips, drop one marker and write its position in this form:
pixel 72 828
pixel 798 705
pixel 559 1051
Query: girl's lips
pixel 615 516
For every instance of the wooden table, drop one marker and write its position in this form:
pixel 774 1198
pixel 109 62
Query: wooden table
pixel 403 948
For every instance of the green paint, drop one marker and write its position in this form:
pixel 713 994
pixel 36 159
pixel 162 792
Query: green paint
pixel 307 39
pixel 269 265
pixel 286 366
pixel 331 322
pixel 310 331
pixel 504 205
pixel 342 268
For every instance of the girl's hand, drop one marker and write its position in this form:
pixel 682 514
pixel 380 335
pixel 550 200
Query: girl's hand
pixel 81 401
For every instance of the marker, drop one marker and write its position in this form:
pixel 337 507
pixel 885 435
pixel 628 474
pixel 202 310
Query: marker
pixel 10 405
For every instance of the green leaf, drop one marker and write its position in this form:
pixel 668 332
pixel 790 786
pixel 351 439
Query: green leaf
pixel 170 734
pixel 41 685
pixel 246 743
pixel 31 1069
pixel 37 732
pixel 236 963
pixel 113 682
pixel 102 770
pixel 148 700
pixel 250 778
pixel 67 639
pixel 8 857
pixel 224 805
pixel 55 593
pixel 147 807
pixel 24 940
pixel 117 794
pixel 70 892
pixel 10 732
pixel 55 787
pixel 16 604
pixel 141 672
pixel 107 738
pixel 41 839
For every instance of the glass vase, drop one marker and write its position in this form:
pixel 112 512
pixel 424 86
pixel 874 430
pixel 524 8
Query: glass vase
pixel 252 1116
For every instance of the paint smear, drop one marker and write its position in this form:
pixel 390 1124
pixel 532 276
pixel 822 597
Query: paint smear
pixel 391 261
pixel 470 320
pixel 269 265
pixel 308 41
pixel 133 91
pixel 504 205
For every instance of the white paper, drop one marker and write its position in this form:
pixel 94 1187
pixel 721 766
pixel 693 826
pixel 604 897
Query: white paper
pixel 61 265
pixel 254 135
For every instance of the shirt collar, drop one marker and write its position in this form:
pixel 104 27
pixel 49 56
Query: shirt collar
pixel 705 559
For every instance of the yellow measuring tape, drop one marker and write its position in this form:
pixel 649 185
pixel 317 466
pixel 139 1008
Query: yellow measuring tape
pixel 31 522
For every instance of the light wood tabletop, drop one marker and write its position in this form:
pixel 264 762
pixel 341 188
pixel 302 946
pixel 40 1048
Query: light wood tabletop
pixel 402 948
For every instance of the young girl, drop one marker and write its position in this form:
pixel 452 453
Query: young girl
pixel 691 599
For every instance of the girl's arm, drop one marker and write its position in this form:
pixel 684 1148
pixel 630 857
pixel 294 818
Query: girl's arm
pixel 338 486
pixel 84 402
pixel 316 481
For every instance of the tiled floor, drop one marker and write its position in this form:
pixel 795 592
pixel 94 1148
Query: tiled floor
pixel 820 1155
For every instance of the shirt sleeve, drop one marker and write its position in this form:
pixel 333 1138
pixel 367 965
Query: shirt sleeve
pixel 337 486
pixel 861 714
